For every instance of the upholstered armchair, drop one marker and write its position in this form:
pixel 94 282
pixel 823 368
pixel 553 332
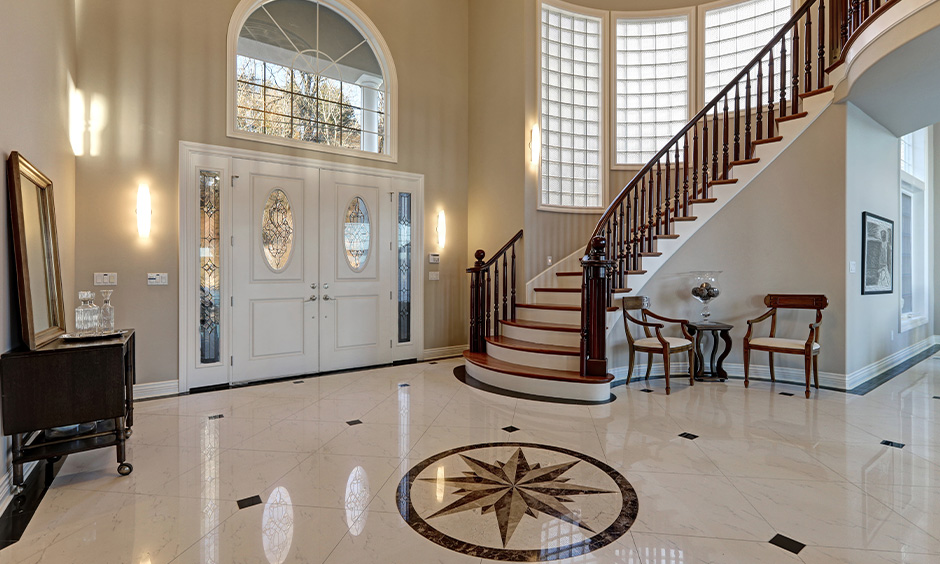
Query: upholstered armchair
pixel 658 344
pixel 808 348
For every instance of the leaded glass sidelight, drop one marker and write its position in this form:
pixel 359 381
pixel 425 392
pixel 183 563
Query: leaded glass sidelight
pixel 277 230
pixel 404 267
pixel 210 256
pixel 357 234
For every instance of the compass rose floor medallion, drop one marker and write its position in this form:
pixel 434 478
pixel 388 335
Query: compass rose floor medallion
pixel 519 502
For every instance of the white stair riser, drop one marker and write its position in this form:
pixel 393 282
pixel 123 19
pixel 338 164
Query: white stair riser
pixel 548 388
pixel 563 338
pixel 538 360
pixel 568 281
pixel 549 316
pixel 558 298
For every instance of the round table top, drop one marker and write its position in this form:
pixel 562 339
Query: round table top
pixel 710 326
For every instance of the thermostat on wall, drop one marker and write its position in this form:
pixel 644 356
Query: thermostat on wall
pixel 156 279
pixel 434 258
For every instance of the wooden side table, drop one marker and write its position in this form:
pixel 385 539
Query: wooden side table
pixel 717 329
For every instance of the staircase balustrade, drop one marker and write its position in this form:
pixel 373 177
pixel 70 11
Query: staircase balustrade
pixel 492 298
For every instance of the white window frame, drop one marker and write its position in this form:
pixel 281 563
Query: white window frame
pixel 700 60
pixel 604 90
pixel 920 206
pixel 361 21
pixel 692 57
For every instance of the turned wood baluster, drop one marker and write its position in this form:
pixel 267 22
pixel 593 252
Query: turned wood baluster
pixel 486 283
pixel 770 95
pixel 694 165
pixel 675 200
pixel 783 76
pixel 760 102
pixel 685 175
pixel 808 48
pixel 795 81
pixel 705 177
pixel 747 116
pixel 651 214
pixel 512 290
pixel 714 175
pixel 621 252
pixel 659 198
pixel 505 288
pixel 822 45
pixel 666 197
pixel 724 148
pixel 737 122
pixel 476 316
pixel 641 226
pixel 496 297
pixel 635 231
pixel 856 15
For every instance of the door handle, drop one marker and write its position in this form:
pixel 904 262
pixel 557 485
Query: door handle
pixel 312 298
pixel 326 297
pixel 313 286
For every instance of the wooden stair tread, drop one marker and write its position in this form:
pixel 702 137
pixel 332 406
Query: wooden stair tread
pixel 542 326
pixel 529 346
pixel 564 290
pixel 552 307
pixel 744 162
pixel 669 236
pixel 687 218
pixel 791 117
pixel 767 140
pixel 655 254
pixel 635 272
pixel 816 92
pixel 703 201
pixel 575 273
pixel 723 181
pixel 622 291
pixel 484 361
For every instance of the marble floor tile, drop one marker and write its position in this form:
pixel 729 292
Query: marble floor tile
pixel 375 439
pixel 668 549
pixel 875 464
pixel 827 555
pixel 328 409
pixel 336 480
pixel 292 435
pixel 768 459
pixel 637 452
pixel 233 474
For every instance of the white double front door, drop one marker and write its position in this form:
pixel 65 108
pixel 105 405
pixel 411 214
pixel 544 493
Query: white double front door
pixel 313 270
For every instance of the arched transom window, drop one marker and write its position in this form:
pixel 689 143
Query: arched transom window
pixel 311 73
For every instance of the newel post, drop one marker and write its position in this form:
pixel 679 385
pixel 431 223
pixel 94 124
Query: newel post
pixel 594 292
pixel 477 304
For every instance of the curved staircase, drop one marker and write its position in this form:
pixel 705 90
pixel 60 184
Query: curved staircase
pixel 554 346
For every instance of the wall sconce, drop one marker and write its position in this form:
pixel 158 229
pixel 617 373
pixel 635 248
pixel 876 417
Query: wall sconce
pixel 144 211
pixel 535 144
pixel 441 229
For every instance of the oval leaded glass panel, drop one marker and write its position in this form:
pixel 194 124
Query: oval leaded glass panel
pixel 357 234
pixel 277 230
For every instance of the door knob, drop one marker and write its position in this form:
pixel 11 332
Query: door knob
pixel 313 286
pixel 312 298
pixel 326 297
pixel 326 286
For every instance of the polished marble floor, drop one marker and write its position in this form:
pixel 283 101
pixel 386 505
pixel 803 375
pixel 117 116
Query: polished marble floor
pixel 310 472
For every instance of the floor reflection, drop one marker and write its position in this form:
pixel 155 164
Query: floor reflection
pixel 277 526
pixel 209 441
pixel 357 498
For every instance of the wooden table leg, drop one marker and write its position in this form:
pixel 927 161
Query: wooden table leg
pixel 699 358
pixel 726 337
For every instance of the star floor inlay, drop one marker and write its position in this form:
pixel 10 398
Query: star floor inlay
pixel 517 501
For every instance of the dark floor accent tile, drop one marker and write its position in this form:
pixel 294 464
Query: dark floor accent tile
pixel 936 397
pixel 787 544
pixel 249 501
pixel 785 394
pixel 689 436
pixel 432 363
pixel 219 416
pixel 404 385
pixel 892 444
pixel 647 390
pixel 354 422
pixel 298 381
pixel 510 429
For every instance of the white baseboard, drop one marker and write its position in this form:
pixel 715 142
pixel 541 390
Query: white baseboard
pixel 156 389
pixel 761 371
pixel 866 373
pixel 444 352
pixel 6 484
pixel 676 370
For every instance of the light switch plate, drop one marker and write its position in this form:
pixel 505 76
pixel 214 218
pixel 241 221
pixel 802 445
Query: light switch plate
pixel 157 279
pixel 106 279
pixel 434 275
pixel 852 267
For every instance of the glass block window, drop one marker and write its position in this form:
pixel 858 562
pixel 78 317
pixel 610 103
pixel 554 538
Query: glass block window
pixel 294 82
pixel 734 34
pixel 652 81
pixel 571 109
pixel 210 263
pixel 913 154
pixel 404 267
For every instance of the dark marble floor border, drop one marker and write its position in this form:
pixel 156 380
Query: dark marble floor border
pixel 23 506
pixel 460 372
pixel 628 512
pixel 862 389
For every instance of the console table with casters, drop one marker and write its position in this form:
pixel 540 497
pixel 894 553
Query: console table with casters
pixel 65 383
pixel 716 328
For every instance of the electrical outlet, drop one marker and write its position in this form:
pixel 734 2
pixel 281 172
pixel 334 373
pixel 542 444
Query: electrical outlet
pixel 852 267
pixel 157 279
pixel 434 275
pixel 549 260
pixel 106 279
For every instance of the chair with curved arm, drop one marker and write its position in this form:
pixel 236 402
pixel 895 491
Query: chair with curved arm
pixel 657 344
pixel 773 344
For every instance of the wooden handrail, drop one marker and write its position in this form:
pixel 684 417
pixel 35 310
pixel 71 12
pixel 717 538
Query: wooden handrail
pixel 491 301
pixel 499 253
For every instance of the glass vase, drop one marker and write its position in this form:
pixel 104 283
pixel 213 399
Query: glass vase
pixel 106 317
pixel 86 315
pixel 705 289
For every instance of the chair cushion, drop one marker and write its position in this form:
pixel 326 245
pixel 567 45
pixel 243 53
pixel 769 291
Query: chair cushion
pixel 794 344
pixel 653 342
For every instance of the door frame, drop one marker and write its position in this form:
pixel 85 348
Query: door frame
pixel 190 153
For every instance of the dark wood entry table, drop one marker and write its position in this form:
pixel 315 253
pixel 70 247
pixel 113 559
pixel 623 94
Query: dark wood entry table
pixel 716 328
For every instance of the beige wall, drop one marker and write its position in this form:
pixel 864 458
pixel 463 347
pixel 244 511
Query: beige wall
pixel 37 42
pixel 784 233
pixel 158 69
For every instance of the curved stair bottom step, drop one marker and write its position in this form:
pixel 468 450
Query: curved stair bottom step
pixel 592 392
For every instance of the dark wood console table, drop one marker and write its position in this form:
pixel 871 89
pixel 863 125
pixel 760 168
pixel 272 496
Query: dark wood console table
pixel 716 372
pixel 65 383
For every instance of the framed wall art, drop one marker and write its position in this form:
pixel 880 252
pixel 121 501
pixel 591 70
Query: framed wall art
pixel 877 254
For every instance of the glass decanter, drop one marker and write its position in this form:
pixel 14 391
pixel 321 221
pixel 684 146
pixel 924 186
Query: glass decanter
pixel 705 289
pixel 86 315
pixel 106 317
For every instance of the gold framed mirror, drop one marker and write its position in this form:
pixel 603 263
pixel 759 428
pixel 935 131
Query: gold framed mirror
pixel 36 252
